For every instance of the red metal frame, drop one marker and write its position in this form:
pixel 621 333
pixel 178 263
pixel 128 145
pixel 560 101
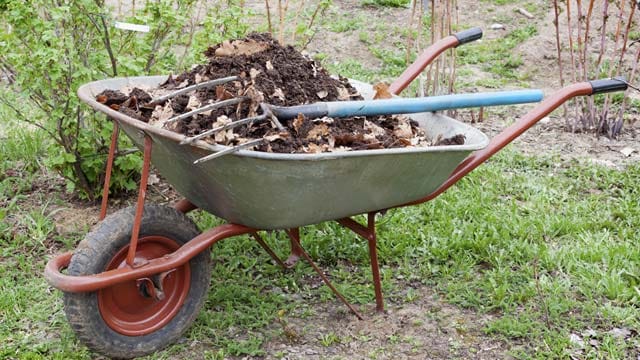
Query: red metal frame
pixel 421 62
pixel 107 175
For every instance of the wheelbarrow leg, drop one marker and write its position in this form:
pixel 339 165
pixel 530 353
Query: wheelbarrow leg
pixel 369 233
pixel 294 235
pixel 107 173
pixel 142 194
pixel 296 250
pixel 266 248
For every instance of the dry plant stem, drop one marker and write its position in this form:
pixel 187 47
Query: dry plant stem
pixel 632 77
pixel 618 65
pixel 193 22
pixel 410 33
pixel 433 36
pixel 603 34
pixel 282 11
pixel 590 104
pixel 295 20
pixel 266 3
pixel 559 51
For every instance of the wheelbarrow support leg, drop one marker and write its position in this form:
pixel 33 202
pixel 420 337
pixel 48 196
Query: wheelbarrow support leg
pixel 294 234
pixel 107 173
pixel 266 248
pixel 142 194
pixel 369 233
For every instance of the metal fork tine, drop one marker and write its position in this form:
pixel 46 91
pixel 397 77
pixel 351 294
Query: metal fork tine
pixel 229 150
pixel 201 85
pixel 213 106
pixel 225 127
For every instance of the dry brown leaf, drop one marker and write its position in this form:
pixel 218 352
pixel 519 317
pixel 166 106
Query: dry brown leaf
pixel 343 94
pixel 222 93
pixel 314 148
pixel 240 47
pixel 297 122
pixel 271 138
pixel 403 130
pixel 322 94
pixel 318 131
pixel 193 103
pixel 256 97
pixel 183 84
pixel 382 91
pixel 374 129
pixel 161 114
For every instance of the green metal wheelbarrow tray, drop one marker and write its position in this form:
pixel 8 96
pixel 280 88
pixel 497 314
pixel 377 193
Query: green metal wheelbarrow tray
pixel 139 278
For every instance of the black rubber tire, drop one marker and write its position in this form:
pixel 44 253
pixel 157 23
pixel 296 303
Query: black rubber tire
pixel 96 251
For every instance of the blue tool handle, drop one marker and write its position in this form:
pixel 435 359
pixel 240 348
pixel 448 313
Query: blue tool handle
pixel 433 103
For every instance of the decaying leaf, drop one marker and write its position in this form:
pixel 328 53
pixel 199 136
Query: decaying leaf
pixel 278 93
pixel 253 73
pixel 297 123
pixel 256 97
pixel 314 148
pixel 318 131
pixel 374 129
pixel 402 129
pixel 382 91
pixel 193 103
pixel 161 114
pixel 223 137
pixel 222 93
pixel 240 47
pixel 343 94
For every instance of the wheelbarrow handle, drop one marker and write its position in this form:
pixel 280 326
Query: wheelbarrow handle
pixel 431 53
pixel 608 85
pixel 512 132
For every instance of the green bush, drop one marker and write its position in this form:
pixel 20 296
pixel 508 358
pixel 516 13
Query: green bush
pixel 50 48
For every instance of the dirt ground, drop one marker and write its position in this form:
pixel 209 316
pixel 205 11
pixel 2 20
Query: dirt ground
pixel 427 328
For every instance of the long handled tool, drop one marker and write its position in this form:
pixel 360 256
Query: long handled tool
pixel 342 109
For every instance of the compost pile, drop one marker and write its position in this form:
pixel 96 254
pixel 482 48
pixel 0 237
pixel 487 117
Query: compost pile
pixel 277 75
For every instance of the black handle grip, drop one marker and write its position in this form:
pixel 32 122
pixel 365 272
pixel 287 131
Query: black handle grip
pixel 469 35
pixel 608 85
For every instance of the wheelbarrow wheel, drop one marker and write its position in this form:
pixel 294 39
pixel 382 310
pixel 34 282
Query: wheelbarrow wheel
pixel 140 316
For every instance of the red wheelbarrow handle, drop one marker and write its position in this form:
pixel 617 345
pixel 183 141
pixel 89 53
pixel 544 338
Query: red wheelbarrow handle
pixel 512 132
pixel 431 53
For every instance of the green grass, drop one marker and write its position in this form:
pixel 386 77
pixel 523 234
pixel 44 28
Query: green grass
pixel 548 247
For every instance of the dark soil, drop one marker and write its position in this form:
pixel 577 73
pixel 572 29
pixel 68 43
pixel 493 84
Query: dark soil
pixel 277 75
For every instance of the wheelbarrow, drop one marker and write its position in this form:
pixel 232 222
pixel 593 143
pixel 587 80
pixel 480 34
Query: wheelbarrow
pixel 139 278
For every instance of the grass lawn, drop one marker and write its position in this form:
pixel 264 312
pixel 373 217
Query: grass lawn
pixel 548 247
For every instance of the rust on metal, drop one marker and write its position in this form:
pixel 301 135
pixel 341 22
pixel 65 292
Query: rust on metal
pixel 294 235
pixel 142 194
pixel 508 135
pixel 185 206
pixel 421 62
pixel 181 256
pixel 369 233
pixel 142 306
pixel 107 174
pixel 266 248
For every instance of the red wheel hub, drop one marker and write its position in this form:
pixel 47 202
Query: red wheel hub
pixel 127 308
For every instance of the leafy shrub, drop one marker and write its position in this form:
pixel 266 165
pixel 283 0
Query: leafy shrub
pixel 48 50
